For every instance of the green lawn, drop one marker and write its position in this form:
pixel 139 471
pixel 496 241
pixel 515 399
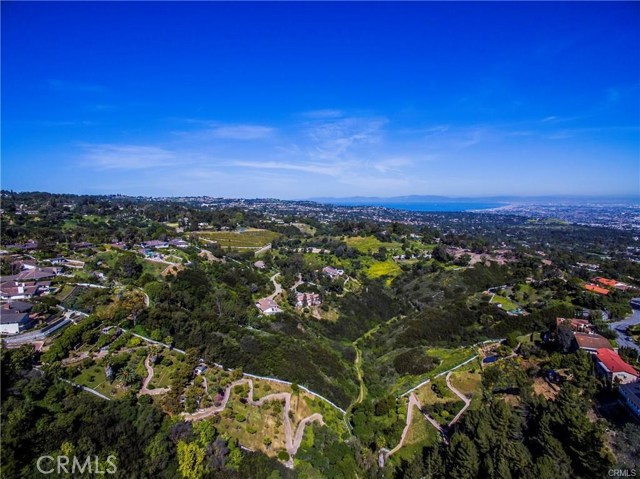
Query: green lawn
pixel 380 269
pixel 371 244
pixel 249 238
pixel 95 379
pixel 507 304
pixel 448 359
pixel 526 338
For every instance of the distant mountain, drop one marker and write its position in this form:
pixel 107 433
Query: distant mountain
pixel 426 199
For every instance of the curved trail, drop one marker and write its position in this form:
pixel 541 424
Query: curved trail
pixel 467 401
pixel 292 440
pixel 384 453
pixel 147 380
pixel 276 285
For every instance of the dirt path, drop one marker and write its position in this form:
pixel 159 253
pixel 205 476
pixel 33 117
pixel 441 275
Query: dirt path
pixel 467 401
pixel 277 286
pixel 358 364
pixel 292 440
pixel 144 389
pixel 264 249
pixel 384 453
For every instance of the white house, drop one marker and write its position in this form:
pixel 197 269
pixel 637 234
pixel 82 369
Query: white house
pixel 13 322
pixel 268 306
pixel 615 368
pixel 332 272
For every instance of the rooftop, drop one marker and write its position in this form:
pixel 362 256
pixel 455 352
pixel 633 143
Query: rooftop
pixel 614 363
pixel 592 341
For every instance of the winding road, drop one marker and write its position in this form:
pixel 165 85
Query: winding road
pixel 620 328
pixel 144 389
pixel 277 285
pixel 292 440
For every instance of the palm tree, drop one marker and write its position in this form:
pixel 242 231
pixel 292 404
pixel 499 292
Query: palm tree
pixel 127 376
pixel 154 352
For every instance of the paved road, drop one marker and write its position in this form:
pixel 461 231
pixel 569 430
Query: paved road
pixel 620 326
pixel 32 336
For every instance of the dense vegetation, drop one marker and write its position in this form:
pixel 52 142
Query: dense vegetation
pixel 407 307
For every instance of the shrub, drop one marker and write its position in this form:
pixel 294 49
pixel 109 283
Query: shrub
pixel 283 455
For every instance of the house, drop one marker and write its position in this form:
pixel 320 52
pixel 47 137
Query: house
pixel 36 274
pixel 268 306
pixel 13 322
pixel 179 243
pixel 17 306
pixel 82 245
pixel 630 394
pixel 12 290
pixel 614 368
pixel 591 342
pixel 201 369
pixel 260 264
pixel 307 299
pixel 576 325
pixel 595 289
pixel 23 264
pixel 154 244
pixel 611 283
pixel 332 272
pixel 58 261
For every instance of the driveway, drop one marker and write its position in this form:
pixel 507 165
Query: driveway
pixel 620 326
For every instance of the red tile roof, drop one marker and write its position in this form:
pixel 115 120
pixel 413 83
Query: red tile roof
pixel 606 281
pixel 595 289
pixel 614 363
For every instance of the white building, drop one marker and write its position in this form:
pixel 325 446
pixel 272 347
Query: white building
pixel 13 322
pixel 268 306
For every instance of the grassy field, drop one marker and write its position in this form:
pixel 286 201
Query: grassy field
pixel 527 338
pixel 507 304
pixel 86 221
pixel 371 244
pixel 428 397
pixel 448 359
pixel 247 239
pixel 66 290
pixel 305 228
pixel 95 378
pixel 381 269
pixel 470 384
pixel 262 428
pixel 162 371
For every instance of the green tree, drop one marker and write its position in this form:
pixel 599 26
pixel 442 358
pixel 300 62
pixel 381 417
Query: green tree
pixel 191 460
pixel 462 457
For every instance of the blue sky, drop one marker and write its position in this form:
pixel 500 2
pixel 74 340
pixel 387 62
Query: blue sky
pixel 296 100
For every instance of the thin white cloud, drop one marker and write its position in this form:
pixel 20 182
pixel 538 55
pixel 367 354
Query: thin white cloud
pixel 328 169
pixel 243 132
pixel 391 165
pixel 126 157
pixel 323 114
pixel 68 86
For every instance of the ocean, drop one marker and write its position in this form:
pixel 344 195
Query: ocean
pixel 449 207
